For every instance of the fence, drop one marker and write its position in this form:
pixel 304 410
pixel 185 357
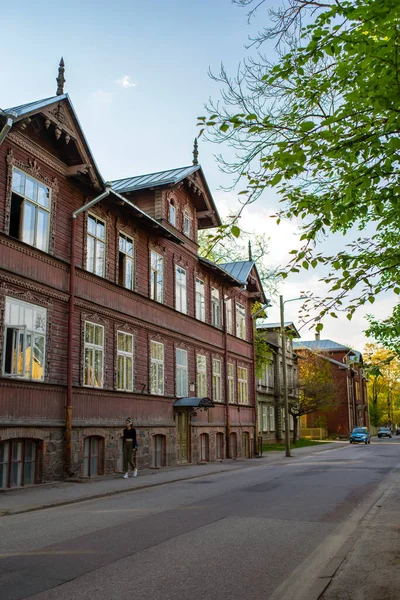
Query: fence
pixel 315 433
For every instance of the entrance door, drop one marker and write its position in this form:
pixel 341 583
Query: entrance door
pixel 182 425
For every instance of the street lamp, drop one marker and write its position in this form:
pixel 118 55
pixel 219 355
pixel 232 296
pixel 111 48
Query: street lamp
pixel 282 303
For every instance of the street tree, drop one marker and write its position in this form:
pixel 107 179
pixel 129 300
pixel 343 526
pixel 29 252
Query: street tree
pixel 383 370
pixel 316 388
pixel 321 125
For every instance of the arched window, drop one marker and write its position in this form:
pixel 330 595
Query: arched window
pixel 204 447
pixel 186 223
pixel 245 445
pixel 233 445
pixel 159 451
pixel 93 448
pixel 219 445
pixel 18 463
pixel 172 213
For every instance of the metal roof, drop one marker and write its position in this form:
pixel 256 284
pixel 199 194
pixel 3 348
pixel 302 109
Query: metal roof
pixel 240 269
pixel 263 324
pixel 322 345
pixel 172 176
pixel 23 109
pixel 194 402
pixel 220 269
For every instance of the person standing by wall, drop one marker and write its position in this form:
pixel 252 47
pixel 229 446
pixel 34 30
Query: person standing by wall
pixel 130 447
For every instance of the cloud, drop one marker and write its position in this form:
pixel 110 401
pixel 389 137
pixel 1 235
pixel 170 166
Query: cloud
pixel 103 97
pixel 125 82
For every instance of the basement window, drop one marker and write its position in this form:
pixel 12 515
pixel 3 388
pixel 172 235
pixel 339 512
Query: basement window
pixel 30 211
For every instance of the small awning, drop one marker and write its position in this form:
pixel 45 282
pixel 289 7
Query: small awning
pixel 194 402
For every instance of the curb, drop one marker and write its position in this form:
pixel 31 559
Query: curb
pixel 96 496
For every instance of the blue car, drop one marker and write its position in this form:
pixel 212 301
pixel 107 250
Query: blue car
pixel 360 435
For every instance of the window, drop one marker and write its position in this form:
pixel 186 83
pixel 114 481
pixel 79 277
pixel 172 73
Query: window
pixel 231 384
pixel 243 393
pixel 229 316
pixel 96 255
pixel 156 368
pixel 200 300
pixel 25 340
pixel 181 373
pixel 156 277
pixel 204 447
pixel 219 445
pixel 94 355
pixel 30 211
pixel 201 362
pixel 18 463
pixel 91 459
pixel 124 361
pixel 186 223
pixel 215 308
pixel 272 418
pixel 125 261
pixel 180 289
pixel 216 380
pixel 172 213
pixel 240 321
pixel 265 411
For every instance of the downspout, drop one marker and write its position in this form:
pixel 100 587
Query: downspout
pixel 71 307
pixel 253 346
pixel 227 415
pixel 6 128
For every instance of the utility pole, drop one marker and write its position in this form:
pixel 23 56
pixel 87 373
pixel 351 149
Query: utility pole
pixel 285 389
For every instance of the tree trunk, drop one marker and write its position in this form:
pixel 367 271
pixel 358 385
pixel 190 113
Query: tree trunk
pixel 295 428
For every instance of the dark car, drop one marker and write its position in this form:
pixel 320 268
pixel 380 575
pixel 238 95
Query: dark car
pixel 360 435
pixel 384 432
pixel 398 431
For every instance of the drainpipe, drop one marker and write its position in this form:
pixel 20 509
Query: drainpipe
pixel 71 307
pixel 253 349
pixel 227 415
pixel 6 128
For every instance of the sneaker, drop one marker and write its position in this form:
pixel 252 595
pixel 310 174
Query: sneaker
pixel 126 476
pixel 134 474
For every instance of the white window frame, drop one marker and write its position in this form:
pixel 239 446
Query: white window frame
pixel 124 356
pixel 129 258
pixel 229 316
pixel 23 333
pixel 180 289
pixel 272 418
pixel 231 383
pixel 156 368
pixel 243 386
pixel 93 348
pixel 241 321
pixel 200 293
pixel 172 213
pixel 97 242
pixel 156 276
pixel 181 373
pixel 265 417
pixel 187 223
pixel 216 307
pixel 34 202
pixel 217 380
pixel 201 375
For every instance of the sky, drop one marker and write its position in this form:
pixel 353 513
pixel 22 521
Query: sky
pixel 137 75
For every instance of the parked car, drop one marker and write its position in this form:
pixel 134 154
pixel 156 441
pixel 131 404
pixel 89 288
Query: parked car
pixel 398 431
pixel 384 432
pixel 360 435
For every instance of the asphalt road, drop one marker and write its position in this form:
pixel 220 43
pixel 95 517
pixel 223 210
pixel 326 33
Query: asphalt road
pixel 238 535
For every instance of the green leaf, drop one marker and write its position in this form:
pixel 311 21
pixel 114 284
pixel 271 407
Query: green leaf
pixel 235 231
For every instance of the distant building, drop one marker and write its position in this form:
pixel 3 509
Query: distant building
pixel 350 385
pixel 271 424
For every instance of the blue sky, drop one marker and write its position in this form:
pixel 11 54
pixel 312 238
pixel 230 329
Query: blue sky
pixel 136 72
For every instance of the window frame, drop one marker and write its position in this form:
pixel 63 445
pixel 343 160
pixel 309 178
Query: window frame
pixel 172 212
pixel 200 299
pixel 130 257
pixel 181 374
pixel 7 464
pixel 201 375
pixel 95 348
pixel 37 207
pixel 159 367
pixel 156 288
pixel 25 332
pixel 181 304
pixel 125 355
pixel 88 439
pixel 216 307
pixel 243 385
pixel 229 315
pixel 231 382
pixel 217 379
pixel 187 220
pixel 241 329
pixel 97 240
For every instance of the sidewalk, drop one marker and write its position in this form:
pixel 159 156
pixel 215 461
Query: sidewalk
pixel 370 569
pixel 20 500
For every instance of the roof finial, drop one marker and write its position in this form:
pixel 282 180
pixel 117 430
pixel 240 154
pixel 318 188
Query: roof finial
pixel 195 152
pixel 250 251
pixel 60 79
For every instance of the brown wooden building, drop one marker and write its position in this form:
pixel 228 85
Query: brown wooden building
pixel 107 311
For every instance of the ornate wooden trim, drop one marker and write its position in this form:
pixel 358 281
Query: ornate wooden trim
pixel 34 253
pixel 33 287
pixel 103 215
pixel 27 296
pixel 32 169
pixel 98 320
pixel 121 227
pixel 38 152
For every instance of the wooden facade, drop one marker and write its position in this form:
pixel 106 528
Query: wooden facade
pixel 46 145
